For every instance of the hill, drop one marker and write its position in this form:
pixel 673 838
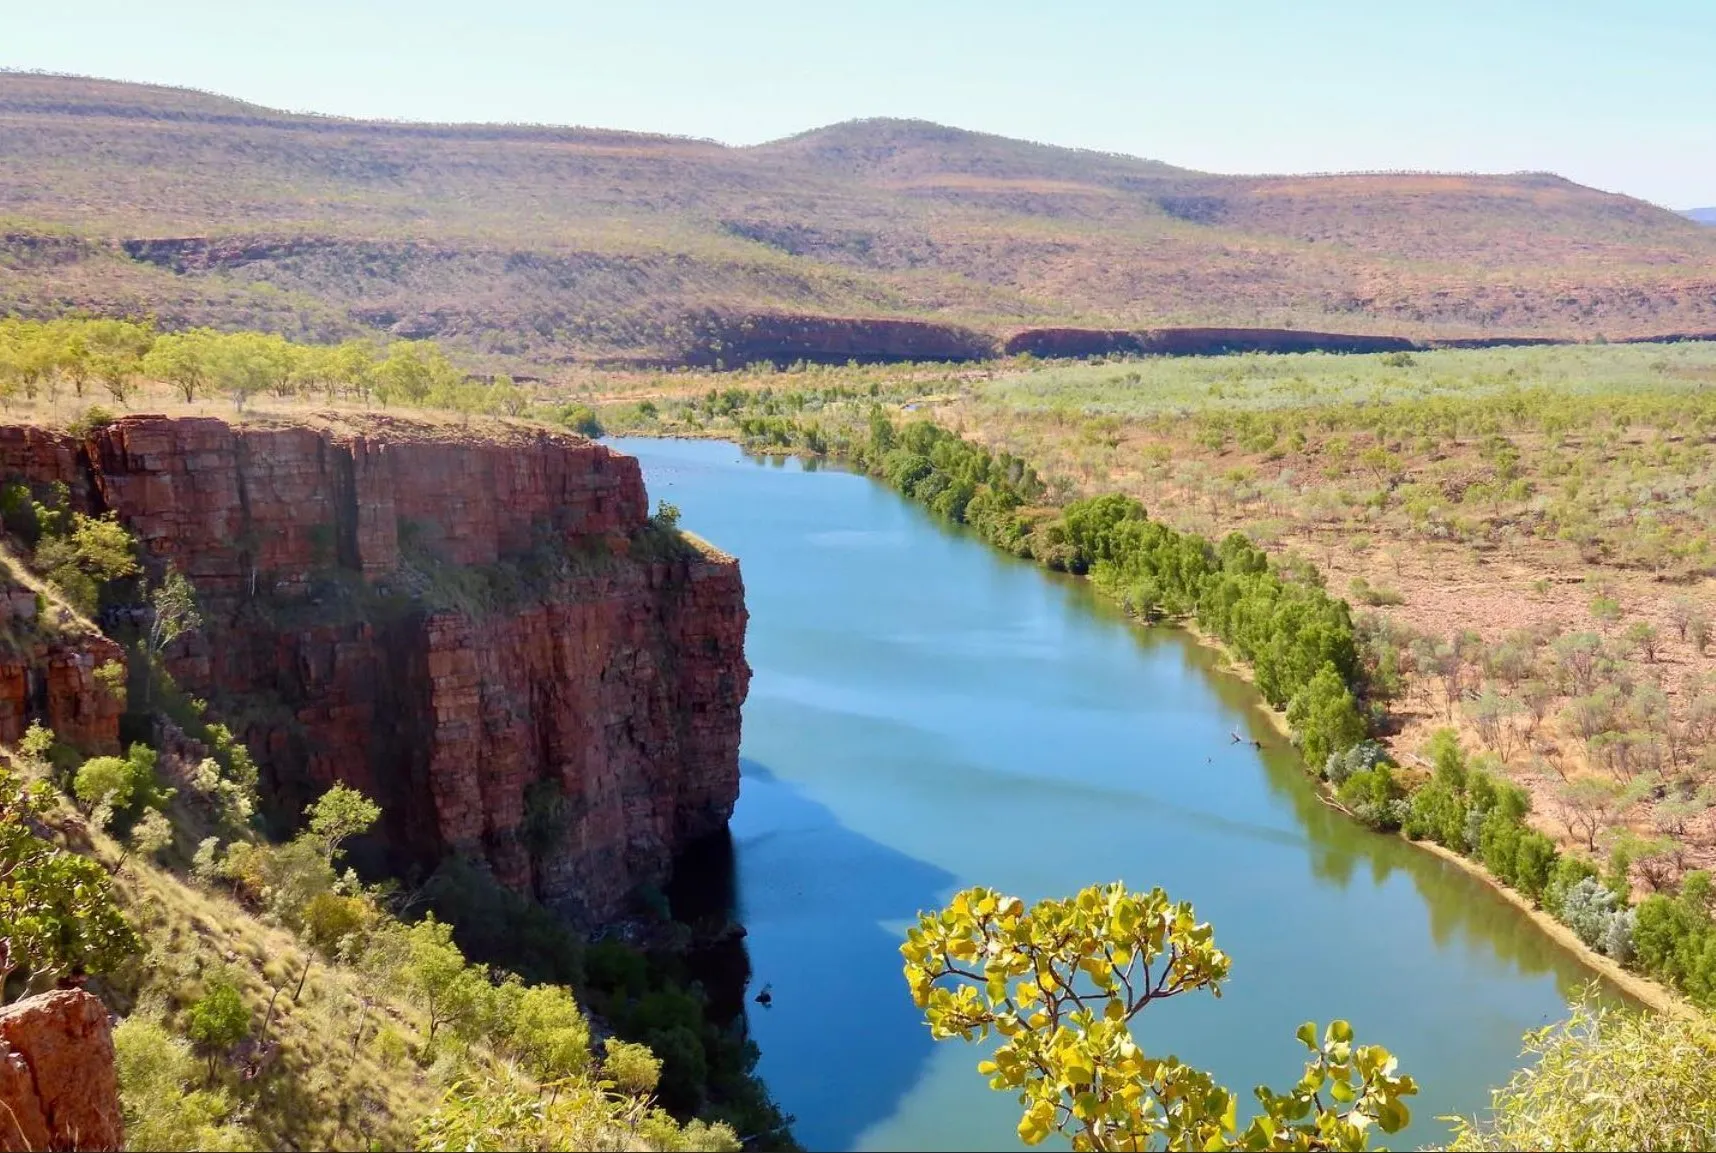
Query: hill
pixel 532 245
pixel 1701 215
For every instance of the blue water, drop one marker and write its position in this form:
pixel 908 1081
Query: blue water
pixel 927 714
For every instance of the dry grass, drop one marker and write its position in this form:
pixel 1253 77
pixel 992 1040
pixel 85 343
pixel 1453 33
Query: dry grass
pixel 535 246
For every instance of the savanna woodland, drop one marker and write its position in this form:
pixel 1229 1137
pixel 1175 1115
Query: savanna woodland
pixel 1471 586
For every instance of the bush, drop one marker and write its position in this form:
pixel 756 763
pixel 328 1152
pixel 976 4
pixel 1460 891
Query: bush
pixel 1606 1079
pixel 162 1111
pixel 219 1019
pixel 1375 798
pixel 122 783
pixel 1361 758
pixel 631 1067
pixel 580 418
pixel 1592 911
pixel 91 421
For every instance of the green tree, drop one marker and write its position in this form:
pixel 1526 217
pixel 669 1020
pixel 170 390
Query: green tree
pixel 1059 984
pixel 437 977
pixel 173 612
pixel 549 1033
pixel 115 353
pixel 149 836
pixel 95 552
pixel 181 359
pixel 1325 716
pixel 411 371
pixel 57 911
pixel 631 1067
pixel 219 1019
pixel 104 781
pixel 340 814
pixel 244 364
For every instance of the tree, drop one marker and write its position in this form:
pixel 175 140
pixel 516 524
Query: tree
pixel 103 781
pixel 181 359
pixel 57 911
pixel 631 1067
pixel 151 834
pixel 437 977
pixel 1325 717
pixel 174 613
pixel 340 814
pixel 1059 984
pixel 411 371
pixel 1606 1079
pixel 1586 805
pixel 549 1033
pixel 219 1019
pixel 243 364
pixel 94 553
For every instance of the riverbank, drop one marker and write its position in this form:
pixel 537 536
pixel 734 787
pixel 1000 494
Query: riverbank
pixel 1636 985
pixel 928 715
pixel 996 533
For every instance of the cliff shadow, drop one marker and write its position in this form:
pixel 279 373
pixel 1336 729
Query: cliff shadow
pixel 825 909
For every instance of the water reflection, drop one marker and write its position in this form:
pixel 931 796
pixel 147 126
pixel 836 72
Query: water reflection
pixel 815 890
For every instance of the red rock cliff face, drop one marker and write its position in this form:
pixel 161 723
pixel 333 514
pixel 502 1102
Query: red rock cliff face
pixel 58 1089
pixel 573 730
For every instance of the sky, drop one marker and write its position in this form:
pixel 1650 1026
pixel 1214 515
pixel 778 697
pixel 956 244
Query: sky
pixel 1619 94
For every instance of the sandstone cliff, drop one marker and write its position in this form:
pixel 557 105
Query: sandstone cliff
pixel 486 635
pixel 58 1089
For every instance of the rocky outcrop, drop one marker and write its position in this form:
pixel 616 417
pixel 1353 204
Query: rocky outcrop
pixel 48 657
pixel 488 636
pixel 58 1089
pixel 47 673
pixel 1064 342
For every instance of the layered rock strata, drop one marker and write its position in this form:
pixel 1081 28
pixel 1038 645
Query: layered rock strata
pixel 486 635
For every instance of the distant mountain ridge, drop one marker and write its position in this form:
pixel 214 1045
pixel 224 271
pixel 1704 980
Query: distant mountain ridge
pixel 536 245
pixel 1701 215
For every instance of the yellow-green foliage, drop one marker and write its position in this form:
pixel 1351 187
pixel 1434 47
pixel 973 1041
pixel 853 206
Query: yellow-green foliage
pixel 37 357
pixel 1606 1079
pixel 238 1033
pixel 166 1105
pixel 1059 984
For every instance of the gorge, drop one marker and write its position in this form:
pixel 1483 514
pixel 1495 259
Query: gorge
pixel 928 714
pixel 487 635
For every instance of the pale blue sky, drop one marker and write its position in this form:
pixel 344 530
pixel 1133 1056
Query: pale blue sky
pixel 1620 94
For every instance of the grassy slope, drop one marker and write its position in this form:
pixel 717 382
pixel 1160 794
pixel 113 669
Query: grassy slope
pixel 541 243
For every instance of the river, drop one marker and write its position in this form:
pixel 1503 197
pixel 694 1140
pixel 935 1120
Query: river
pixel 927 714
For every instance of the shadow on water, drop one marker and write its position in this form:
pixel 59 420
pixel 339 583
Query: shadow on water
pixel 825 912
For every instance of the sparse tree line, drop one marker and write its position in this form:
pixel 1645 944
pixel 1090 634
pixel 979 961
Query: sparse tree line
pixel 43 359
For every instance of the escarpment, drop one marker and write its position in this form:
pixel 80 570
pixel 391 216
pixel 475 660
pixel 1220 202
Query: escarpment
pixel 490 637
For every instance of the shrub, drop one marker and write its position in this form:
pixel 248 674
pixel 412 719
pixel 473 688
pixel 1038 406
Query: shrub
pixel 162 1111
pixel 1362 757
pixel 631 1067
pixel 1591 911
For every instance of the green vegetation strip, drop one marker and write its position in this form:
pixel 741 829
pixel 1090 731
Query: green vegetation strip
pixel 1302 649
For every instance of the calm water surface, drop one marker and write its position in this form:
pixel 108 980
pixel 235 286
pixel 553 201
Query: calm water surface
pixel 928 715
